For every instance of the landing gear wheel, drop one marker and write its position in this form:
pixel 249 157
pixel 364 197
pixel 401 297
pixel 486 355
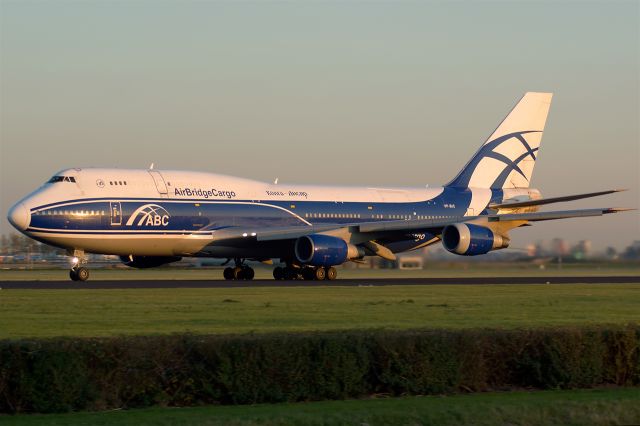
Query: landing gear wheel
pixel 228 273
pixel 247 273
pixel 278 273
pixel 82 273
pixel 238 273
pixel 332 273
pixel 320 273
pixel 73 275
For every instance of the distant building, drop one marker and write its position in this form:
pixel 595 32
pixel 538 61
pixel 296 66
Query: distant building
pixel 582 250
pixel 410 262
pixel 559 247
pixel 633 251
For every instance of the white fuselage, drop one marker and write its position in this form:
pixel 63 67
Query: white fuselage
pixel 177 213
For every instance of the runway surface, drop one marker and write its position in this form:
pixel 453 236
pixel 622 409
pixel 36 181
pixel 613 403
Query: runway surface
pixel 361 282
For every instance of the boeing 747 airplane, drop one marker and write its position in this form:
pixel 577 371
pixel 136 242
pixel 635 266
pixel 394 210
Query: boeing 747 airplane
pixel 153 217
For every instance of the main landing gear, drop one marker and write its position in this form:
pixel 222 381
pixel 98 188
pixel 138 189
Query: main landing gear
pixel 307 273
pixel 78 272
pixel 239 272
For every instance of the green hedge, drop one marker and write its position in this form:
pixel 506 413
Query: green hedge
pixel 63 374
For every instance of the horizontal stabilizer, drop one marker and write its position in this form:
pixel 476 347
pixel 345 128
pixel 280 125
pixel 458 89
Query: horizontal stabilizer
pixel 544 201
pixel 567 214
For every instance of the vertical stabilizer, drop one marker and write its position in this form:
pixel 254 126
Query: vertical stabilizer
pixel 507 158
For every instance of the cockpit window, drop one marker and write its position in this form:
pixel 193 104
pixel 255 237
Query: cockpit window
pixel 62 179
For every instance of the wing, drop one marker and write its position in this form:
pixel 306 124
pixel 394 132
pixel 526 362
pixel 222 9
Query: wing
pixel 369 231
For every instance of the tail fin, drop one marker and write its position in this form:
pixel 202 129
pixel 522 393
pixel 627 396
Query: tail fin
pixel 507 158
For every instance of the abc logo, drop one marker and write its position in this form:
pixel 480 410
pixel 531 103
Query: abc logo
pixel 149 215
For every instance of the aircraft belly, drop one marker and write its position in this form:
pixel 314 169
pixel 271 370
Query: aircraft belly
pixel 141 245
pixel 418 241
pixel 257 250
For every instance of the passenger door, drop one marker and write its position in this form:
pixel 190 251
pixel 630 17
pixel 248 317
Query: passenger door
pixel 116 213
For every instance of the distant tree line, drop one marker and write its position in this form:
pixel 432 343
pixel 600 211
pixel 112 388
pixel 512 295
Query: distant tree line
pixel 18 244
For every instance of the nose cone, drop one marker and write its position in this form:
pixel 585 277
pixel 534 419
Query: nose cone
pixel 19 216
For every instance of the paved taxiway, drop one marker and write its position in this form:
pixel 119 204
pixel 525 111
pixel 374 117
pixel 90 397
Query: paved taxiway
pixel 150 284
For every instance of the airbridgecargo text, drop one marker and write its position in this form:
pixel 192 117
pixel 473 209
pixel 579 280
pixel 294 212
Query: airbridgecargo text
pixel 204 193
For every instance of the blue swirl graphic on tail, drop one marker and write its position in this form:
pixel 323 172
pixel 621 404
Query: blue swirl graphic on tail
pixel 487 151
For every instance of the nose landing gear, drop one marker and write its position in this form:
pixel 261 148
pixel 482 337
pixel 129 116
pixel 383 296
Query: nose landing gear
pixel 78 272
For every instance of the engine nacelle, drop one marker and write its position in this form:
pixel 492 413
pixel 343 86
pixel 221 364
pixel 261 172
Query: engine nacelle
pixel 325 250
pixel 471 240
pixel 142 262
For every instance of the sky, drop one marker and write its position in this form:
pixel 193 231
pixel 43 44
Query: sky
pixel 354 93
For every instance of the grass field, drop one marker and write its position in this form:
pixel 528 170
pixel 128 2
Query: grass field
pixel 437 270
pixel 593 407
pixel 47 313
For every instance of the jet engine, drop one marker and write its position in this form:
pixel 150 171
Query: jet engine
pixel 471 240
pixel 142 262
pixel 325 250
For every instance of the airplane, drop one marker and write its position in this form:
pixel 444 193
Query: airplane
pixel 152 217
